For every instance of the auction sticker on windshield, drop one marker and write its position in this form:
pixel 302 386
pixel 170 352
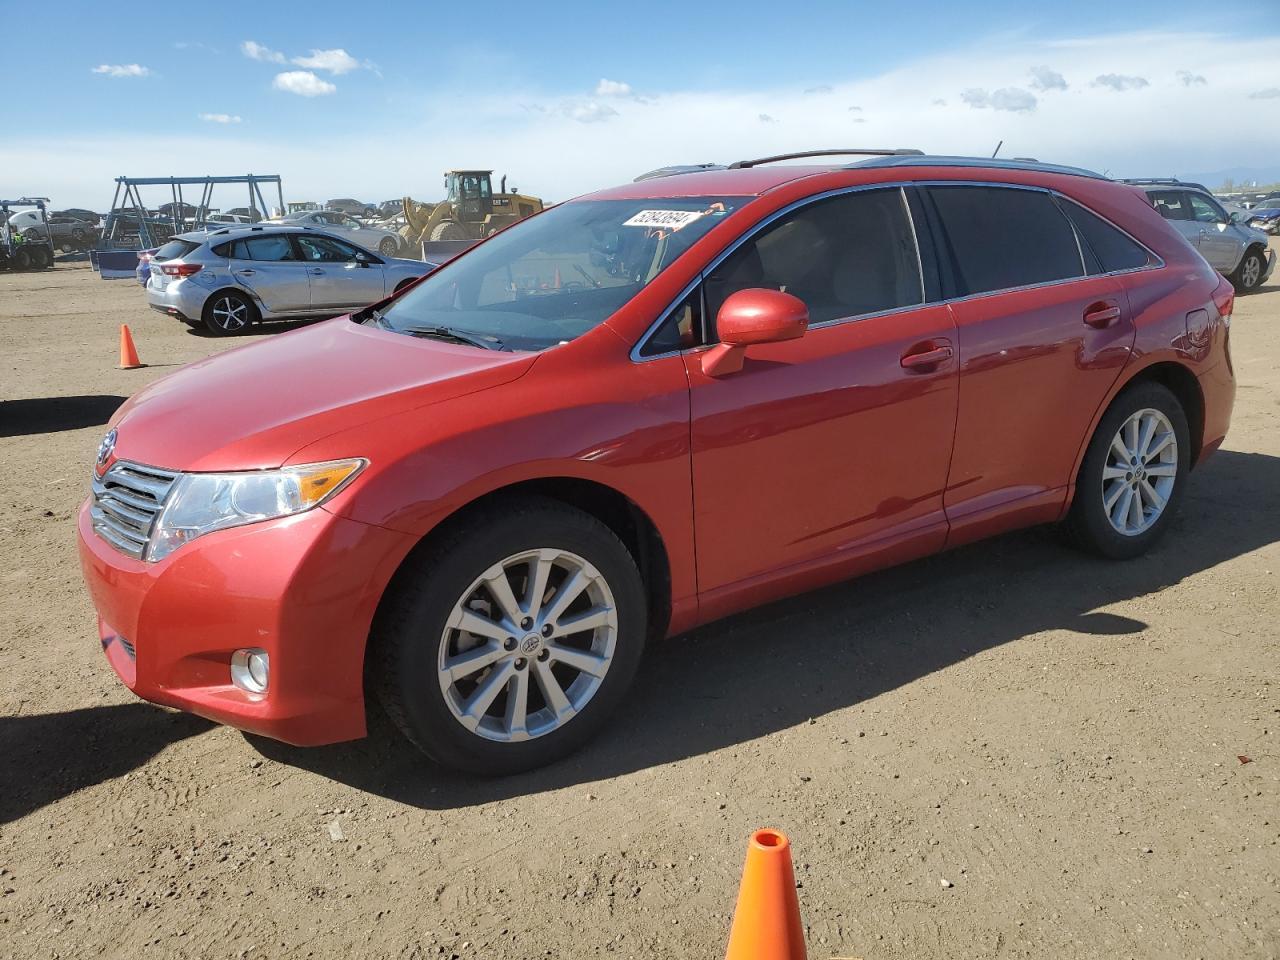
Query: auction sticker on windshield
pixel 664 219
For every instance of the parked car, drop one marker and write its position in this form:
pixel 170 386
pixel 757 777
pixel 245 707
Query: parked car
pixel 355 208
pixel 375 238
pixel 79 213
pixel 66 231
pixel 228 218
pixel 1236 250
pixel 250 214
pixel 230 278
pixel 809 371
pixel 1265 216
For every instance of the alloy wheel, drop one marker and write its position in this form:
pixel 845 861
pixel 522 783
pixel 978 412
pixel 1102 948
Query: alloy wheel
pixel 1140 471
pixel 231 314
pixel 527 645
pixel 1250 273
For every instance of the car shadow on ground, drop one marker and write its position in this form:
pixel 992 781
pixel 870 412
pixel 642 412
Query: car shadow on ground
pixel 265 329
pixel 775 667
pixel 47 756
pixel 20 418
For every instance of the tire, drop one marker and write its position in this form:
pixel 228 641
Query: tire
pixel 228 313
pixel 33 234
pixel 449 230
pixel 1114 532
pixel 1248 276
pixel 21 259
pixel 388 246
pixel 77 234
pixel 416 632
pixel 41 257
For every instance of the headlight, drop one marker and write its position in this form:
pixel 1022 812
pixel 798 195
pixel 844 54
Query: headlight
pixel 201 503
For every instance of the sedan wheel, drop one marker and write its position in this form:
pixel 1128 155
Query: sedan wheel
pixel 1142 467
pixel 228 314
pixel 1249 273
pixel 388 247
pixel 508 640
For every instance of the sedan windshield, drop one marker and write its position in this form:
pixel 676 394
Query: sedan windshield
pixel 555 276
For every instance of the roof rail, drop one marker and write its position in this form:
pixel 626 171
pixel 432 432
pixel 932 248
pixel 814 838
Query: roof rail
pixel 855 151
pixel 677 170
pixel 990 163
pixel 1171 181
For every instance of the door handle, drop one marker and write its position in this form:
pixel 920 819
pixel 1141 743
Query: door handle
pixel 317 272
pixel 1102 315
pixel 245 273
pixel 927 359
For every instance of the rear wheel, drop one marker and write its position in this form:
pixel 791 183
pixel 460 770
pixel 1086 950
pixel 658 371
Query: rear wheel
pixel 228 313
pixel 1133 474
pixel 508 644
pixel 388 246
pixel 1248 276
pixel 21 259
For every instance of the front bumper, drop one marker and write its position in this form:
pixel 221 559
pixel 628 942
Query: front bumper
pixel 303 588
pixel 1270 267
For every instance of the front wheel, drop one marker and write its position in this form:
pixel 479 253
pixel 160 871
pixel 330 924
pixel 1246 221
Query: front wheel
pixel 1248 276
pixel 1133 475
pixel 510 641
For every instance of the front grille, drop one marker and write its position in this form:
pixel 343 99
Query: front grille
pixel 126 500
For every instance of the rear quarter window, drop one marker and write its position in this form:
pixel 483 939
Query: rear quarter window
pixel 1003 237
pixel 1111 249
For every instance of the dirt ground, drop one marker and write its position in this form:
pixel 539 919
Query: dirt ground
pixel 1060 739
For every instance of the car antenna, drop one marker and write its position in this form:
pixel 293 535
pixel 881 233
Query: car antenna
pixel 997 149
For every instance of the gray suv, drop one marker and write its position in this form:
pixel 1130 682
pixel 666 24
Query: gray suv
pixel 227 279
pixel 1237 251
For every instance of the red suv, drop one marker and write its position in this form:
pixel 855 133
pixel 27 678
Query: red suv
pixel 637 412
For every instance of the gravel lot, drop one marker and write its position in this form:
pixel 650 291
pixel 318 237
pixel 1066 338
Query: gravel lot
pixel 1060 739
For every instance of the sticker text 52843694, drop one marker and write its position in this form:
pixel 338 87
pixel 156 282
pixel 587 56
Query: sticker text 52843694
pixel 664 219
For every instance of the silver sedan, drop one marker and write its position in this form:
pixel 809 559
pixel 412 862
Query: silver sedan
pixel 344 225
pixel 227 279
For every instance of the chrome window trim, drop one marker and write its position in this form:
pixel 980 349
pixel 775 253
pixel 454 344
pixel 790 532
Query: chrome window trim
pixel 901 186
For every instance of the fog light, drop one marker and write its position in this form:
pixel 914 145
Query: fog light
pixel 250 670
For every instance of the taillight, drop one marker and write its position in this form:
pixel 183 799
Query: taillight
pixel 1224 296
pixel 181 269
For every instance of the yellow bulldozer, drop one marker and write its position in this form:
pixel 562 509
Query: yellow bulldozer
pixel 470 210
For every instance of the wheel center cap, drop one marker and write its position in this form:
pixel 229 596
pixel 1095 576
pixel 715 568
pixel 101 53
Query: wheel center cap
pixel 531 644
pixel 1140 473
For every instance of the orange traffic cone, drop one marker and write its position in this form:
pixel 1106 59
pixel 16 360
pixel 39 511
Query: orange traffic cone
pixel 128 355
pixel 766 922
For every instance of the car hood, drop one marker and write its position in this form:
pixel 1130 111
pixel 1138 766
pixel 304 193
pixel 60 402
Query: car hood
pixel 252 407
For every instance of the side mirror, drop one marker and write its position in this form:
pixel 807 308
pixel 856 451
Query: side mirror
pixel 752 316
pixel 1237 217
pixel 363 259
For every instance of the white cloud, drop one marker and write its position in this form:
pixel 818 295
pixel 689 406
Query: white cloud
pixel 302 82
pixel 550 153
pixel 765 118
pixel 590 111
pixel 613 88
pixel 336 61
pixel 219 117
pixel 820 88
pixel 1042 78
pixel 122 70
pixel 1189 79
pixel 1120 82
pixel 1012 99
pixel 256 51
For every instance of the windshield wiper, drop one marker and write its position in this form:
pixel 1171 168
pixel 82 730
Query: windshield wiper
pixel 452 335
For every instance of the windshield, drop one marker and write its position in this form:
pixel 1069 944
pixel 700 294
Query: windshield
pixel 554 277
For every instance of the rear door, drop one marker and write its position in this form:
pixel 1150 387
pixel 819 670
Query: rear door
pixel 340 281
pixel 836 443
pixel 1040 345
pixel 269 267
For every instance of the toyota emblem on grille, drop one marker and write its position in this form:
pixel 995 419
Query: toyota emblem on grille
pixel 107 447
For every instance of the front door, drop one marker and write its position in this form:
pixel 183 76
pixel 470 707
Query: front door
pixel 823 445
pixel 1217 237
pixel 340 279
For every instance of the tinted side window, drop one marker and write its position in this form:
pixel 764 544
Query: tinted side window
pixel 1005 237
pixel 1170 204
pixel 844 257
pixel 325 249
pixel 273 248
pixel 682 328
pixel 1113 250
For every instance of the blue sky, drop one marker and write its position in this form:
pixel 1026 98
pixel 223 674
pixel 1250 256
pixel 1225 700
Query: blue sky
pixel 375 100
